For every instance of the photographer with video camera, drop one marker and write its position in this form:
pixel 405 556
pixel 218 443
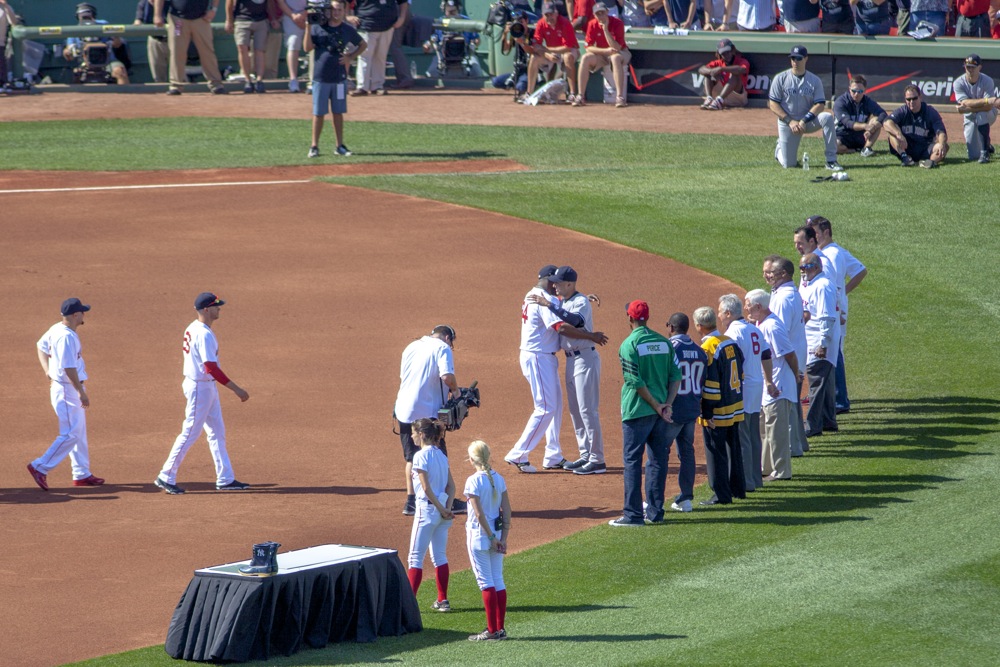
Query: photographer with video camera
pixel 515 36
pixel 337 45
pixel 426 383
pixel 452 48
pixel 98 60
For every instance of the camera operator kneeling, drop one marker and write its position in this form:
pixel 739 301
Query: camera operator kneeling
pixel 98 60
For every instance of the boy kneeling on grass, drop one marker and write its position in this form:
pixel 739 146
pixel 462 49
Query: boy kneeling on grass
pixel 337 46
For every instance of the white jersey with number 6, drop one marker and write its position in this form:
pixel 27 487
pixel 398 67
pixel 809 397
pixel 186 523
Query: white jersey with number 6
pixel 200 345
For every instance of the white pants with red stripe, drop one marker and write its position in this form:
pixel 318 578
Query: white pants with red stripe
pixel 72 439
pixel 430 529
pixel 541 370
pixel 203 412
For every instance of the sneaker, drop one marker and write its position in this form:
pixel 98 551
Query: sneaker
pixel 173 91
pixel 234 485
pixel 867 152
pixel 682 506
pixel 410 506
pixel 653 522
pixel 459 506
pixel 928 164
pixel 707 102
pixel 573 465
pixel 591 469
pixel 380 91
pixel 622 522
pixel 359 92
pixel 88 481
pixel 441 605
pixel 344 151
pixel 579 101
pixel 906 160
pixel 984 158
pixel 620 103
pixel 259 88
pixel 502 633
pixel 41 479
pixel 293 86
pixel 714 105
pixel 523 466
pixel 485 636
pixel 220 91
pixel 172 489
pixel 314 151
pixel 558 466
pixel 248 88
pixel 834 166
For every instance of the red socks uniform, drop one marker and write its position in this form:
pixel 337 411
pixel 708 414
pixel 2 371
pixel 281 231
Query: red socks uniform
pixel 490 602
pixel 441 573
pixel 415 574
pixel 501 609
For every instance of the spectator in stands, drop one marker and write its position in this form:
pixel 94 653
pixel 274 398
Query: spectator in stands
pixel 902 16
pixel 187 21
pixel 293 23
pixel 800 15
pixel 838 17
pixel 753 15
pixel 933 11
pixel 722 88
pixel 400 64
pixel 605 48
pixel 683 14
pixel 6 21
pixel 973 18
pixel 376 20
pixel 972 91
pixel 440 37
pixel 118 58
pixel 872 17
pixel 554 44
pixel 859 119
pixel 247 21
pixel 916 132
pixel 717 15
pixel 583 11
pixel 157 52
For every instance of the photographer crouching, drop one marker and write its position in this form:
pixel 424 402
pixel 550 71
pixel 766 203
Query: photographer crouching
pixel 97 60
pixel 337 45
pixel 515 36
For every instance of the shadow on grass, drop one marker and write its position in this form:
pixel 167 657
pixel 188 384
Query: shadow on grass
pixel 562 608
pixel 570 513
pixel 463 155
pixel 653 636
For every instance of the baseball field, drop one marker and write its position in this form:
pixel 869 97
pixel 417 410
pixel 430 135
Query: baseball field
pixel 884 549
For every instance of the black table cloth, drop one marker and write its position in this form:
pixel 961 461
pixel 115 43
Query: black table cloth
pixel 223 616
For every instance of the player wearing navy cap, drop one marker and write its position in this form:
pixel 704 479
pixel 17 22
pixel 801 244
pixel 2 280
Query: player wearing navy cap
pixel 203 411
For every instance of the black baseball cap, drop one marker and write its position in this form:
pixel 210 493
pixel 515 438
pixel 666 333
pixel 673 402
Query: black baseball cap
pixel 206 299
pixel 563 274
pixel 547 271
pixel 73 305
pixel 799 52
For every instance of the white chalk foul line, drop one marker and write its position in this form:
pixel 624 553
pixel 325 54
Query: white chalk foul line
pixel 149 187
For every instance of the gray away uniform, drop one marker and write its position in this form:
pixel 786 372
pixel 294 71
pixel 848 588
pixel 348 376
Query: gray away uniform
pixel 797 95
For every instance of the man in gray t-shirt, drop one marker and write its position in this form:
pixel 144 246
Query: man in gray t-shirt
pixel 796 97
pixel 972 92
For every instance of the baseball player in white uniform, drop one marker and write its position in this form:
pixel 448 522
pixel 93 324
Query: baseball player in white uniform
pixel 583 370
pixel 786 305
pixel 819 298
pixel 756 366
pixel 61 356
pixel 203 411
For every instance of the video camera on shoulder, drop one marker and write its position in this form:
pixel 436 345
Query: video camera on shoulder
pixel 456 410
pixel 316 11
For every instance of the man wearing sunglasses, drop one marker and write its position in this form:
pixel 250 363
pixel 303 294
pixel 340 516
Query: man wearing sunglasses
pixel 916 132
pixel 972 91
pixel 797 98
pixel 859 119
pixel 819 298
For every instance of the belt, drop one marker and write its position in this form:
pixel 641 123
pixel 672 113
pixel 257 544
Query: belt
pixel 576 353
pixel 159 38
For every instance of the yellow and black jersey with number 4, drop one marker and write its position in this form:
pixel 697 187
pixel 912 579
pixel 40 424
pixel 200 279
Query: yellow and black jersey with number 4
pixel 722 395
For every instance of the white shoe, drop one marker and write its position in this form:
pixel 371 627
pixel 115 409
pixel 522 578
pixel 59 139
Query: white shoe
pixel 293 86
pixel 682 506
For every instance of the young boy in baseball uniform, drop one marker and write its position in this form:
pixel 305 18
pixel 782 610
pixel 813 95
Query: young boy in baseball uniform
pixel 61 356
pixel 203 411
pixel 337 46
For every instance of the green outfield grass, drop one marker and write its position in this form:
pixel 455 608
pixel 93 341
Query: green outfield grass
pixel 884 549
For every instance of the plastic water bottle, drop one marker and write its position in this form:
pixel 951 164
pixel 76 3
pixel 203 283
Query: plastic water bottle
pixel 805 162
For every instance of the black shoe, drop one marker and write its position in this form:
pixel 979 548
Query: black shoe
pixel 906 160
pixel 220 90
pixel 573 465
pixel 172 489
pixel 711 501
pixel 831 429
pixel 591 469
pixel 984 158
pixel 459 506
pixel 814 434
pixel 410 508
pixel 235 485
pixel 842 411
pixel 173 91
pixel 558 466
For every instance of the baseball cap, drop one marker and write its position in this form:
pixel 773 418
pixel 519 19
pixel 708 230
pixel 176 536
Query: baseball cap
pixel 973 59
pixel 563 274
pixel 725 46
pixel 799 52
pixel 86 8
pixel 547 270
pixel 638 310
pixel 548 7
pixel 206 299
pixel 600 7
pixel 74 305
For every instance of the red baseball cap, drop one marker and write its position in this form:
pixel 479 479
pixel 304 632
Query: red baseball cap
pixel 638 310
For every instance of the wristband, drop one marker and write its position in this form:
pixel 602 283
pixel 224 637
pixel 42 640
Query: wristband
pixel 809 117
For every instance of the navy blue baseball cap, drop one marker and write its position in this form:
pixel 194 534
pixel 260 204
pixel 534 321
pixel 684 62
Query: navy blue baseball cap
pixel 564 274
pixel 547 270
pixel 74 305
pixel 206 299
pixel 799 52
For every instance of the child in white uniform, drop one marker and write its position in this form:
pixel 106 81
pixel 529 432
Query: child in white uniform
pixel 486 536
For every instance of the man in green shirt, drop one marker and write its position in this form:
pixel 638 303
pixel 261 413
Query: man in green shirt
pixel 652 378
